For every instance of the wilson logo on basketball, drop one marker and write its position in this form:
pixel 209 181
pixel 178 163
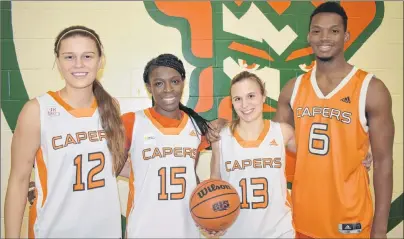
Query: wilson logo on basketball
pixel 221 206
pixel 211 188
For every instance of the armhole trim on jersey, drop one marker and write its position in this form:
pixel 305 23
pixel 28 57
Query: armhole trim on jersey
pixel 295 90
pixel 276 126
pixel 135 123
pixel 362 102
pixel 282 140
pixel 198 130
pixel 42 101
pixel 41 117
pixel 224 134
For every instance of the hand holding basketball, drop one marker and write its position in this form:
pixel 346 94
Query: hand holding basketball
pixel 214 205
pixel 211 234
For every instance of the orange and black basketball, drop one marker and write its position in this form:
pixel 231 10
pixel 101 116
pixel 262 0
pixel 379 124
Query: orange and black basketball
pixel 214 205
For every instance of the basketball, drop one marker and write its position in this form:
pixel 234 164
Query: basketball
pixel 214 205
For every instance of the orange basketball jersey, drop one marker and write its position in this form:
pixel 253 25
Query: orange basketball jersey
pixel 331 195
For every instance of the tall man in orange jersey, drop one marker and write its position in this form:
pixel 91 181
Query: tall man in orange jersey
pixel 337 109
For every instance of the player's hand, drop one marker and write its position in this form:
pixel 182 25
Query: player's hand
pixel 367 162
pixel 216 126
pixel 31 193
pixel 211 234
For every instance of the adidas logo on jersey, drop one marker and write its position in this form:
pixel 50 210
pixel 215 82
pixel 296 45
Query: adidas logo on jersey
pixel 346 100
pixel 193 133
pixel 350 228
pixel 273 143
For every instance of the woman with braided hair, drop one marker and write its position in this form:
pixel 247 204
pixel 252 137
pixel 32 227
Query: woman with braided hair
pixel 162 146
pixel 163 143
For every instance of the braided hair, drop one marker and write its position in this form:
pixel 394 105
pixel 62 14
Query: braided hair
pixel 169 60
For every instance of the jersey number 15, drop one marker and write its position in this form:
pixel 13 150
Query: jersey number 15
pixel 171 175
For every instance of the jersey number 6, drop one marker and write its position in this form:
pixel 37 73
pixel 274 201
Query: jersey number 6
pixel 320 138
pixel 91 183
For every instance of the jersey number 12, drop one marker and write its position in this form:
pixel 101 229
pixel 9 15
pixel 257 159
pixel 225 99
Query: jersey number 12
pixel 79 185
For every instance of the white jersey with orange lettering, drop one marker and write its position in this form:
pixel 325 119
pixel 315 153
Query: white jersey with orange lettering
pixel 76 190
pixel 257 170
pixel 162 179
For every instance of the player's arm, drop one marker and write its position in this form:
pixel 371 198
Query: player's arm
pixel 381 131
pixel 288 134
pixel 284 112
pixel 198 181
pixel 128 120
pixel 215 161
pixel 125 172
pixel 216 126
pixel 204 144
pixel 25 143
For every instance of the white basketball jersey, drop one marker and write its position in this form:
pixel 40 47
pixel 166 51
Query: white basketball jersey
pixel 257 170
pixel 163 162
pixel 77 193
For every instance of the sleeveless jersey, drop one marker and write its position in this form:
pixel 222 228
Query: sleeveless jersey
pixel 256 169
pixel 331 195
pixel 162 178
pixel 76 190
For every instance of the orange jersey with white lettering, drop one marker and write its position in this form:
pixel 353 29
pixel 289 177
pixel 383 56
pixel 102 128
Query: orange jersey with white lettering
pixel 162 177
pixel 331 194
pixel 76 189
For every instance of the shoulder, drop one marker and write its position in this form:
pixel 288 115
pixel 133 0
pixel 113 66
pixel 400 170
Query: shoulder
pixel 378 94
pixel 29 115
pixel 285 127
pixel 30 108
pixel 378 99
pixel 226 131
pixel 290 84
pixel 46 98
pixel 128 120
pixel 376 84
pixel 128 116
pixel 287 90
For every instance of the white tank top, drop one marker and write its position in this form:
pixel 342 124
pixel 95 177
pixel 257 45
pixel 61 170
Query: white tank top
pixel 257 170
pixel 77 193
pixel 163 162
